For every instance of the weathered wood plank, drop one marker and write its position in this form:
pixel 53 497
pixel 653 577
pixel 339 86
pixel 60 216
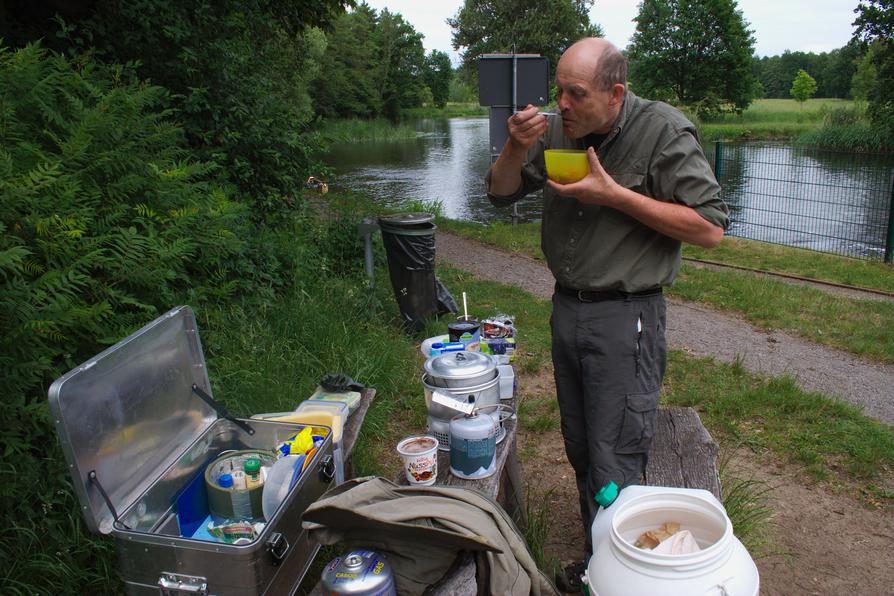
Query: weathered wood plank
pixel 352 429
pixel 683 453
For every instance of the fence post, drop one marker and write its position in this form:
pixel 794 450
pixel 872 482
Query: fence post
pixel 889 244
pixel 718 159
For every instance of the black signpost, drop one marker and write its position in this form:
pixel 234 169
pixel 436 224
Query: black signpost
pixel 507 82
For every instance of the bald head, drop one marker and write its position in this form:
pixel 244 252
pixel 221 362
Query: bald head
pixel 600 58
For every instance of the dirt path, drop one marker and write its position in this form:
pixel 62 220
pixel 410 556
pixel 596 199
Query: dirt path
pixel 828 541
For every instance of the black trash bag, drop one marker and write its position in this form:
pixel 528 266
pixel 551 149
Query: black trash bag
pixel 446 303
pixel 409 240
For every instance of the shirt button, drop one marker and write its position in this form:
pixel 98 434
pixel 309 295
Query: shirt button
pixel 567 269
pixel 580 213
pixel 571 241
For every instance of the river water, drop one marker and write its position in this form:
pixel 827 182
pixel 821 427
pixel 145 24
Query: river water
pixel 820 200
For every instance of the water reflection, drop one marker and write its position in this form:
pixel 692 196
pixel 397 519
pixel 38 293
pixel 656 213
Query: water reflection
pixel 814 199
pixel 803 197
pixel 446 163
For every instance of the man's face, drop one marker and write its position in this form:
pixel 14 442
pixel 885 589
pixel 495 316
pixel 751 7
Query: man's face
pixel 585 109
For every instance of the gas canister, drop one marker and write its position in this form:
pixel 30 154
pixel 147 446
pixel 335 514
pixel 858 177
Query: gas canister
pixel 358 573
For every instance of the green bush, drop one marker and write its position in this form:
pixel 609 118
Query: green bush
pixel 848 129
pixel 106 223
pixel 238 73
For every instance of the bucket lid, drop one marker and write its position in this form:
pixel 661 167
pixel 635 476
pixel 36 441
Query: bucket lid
pixel 127 414
pixel 460 365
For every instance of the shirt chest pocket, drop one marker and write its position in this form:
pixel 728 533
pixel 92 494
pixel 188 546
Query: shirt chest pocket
pixel 635 181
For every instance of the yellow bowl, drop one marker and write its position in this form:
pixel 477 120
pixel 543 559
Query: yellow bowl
pixel 566 165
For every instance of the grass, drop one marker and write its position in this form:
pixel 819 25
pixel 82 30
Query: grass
pixel 858 326
pixel 770 119
pixel 451 110
pixel 797 261
pixel 747 503
pixel 350 130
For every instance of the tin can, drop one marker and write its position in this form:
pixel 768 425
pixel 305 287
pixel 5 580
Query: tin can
pixel 358 573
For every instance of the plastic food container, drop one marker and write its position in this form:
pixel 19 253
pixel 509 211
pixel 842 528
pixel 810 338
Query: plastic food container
pixel 507 381
pixel 333 414
pixel 618 568
pixel 282 476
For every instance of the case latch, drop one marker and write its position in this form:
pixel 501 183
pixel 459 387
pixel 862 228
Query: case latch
pixel 175 584
pixel 327 469
pixel 278 546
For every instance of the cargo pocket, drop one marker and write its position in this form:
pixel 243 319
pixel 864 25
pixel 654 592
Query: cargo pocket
pixel 631 180
pixel 639 423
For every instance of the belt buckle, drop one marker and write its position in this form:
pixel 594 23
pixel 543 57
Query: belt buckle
pixel 581 298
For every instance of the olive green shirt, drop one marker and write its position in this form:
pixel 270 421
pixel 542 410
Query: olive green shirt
pixel 651 149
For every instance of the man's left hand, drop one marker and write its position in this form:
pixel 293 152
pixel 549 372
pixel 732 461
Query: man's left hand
pixel 596 188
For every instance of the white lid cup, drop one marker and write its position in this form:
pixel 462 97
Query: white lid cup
pixel 420 459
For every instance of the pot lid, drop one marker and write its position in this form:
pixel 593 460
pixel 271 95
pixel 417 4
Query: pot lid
pixel 460 365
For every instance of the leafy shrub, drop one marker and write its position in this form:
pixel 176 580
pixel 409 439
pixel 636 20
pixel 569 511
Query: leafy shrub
pixel 106 222
pixel 238 73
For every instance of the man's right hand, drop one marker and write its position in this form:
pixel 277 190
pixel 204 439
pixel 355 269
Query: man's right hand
pixel 525 127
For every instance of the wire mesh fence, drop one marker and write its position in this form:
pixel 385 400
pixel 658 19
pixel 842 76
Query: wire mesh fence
pixel 809 198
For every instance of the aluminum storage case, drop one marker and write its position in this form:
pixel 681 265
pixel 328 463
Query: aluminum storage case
pixel 138 426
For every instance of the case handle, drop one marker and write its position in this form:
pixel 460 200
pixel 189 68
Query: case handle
pixel 93 479
pixel 174 584
pixel 221 411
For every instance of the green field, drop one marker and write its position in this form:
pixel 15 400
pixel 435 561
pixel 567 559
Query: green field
pixel 772 119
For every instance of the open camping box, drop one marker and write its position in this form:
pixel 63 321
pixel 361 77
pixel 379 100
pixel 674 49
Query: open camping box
pixel 138 427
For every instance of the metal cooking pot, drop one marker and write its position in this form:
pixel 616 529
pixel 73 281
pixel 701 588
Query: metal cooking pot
pixel 460 369
pixel 485 394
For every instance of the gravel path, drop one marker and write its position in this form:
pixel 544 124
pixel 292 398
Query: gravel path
pixel 703 331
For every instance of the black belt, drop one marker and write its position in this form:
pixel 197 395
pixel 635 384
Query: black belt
pixel 600 295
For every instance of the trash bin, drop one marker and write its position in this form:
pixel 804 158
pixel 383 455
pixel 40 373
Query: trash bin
pixel 409 240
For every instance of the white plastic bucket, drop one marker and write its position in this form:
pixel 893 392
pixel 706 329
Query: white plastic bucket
pixel 618 568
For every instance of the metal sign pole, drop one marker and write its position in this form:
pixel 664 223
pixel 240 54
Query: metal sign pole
pixel 514 109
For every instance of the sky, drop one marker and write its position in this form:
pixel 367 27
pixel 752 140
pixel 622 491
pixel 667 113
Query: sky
pixel 778 25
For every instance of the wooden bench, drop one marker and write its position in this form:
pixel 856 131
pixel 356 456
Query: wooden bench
pixel 683 455
pixel 351 430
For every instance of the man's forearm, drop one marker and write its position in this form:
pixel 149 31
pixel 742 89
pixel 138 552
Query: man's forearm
pixel 671 219
pixel 505 174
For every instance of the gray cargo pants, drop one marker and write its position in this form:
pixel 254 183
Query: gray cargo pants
pixel 609 358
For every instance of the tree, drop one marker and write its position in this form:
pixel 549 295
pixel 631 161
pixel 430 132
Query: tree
pixel 438 73
pixel 346 86
pixel 693 52
pixel 875 25
pixel 803 87
pixel 400 64
pixel 865 79
pixel 544 27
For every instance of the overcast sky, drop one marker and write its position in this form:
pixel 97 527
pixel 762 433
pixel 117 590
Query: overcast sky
pixel 778 25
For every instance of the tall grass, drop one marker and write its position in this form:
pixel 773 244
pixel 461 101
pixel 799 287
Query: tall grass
pixel 451 110
pixel 816 122
pixel 350 130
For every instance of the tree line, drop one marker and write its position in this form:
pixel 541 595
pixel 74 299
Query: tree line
pixel 697 53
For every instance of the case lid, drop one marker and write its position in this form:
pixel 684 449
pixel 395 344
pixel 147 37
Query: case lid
pixel 127 414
